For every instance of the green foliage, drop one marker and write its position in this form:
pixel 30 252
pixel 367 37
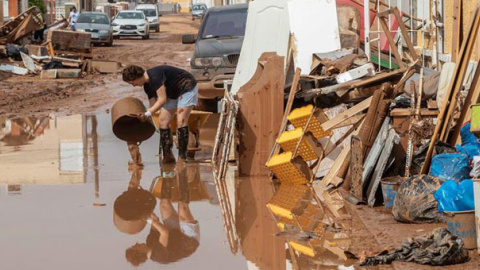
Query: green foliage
pixel 38 3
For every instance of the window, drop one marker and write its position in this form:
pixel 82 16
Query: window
pixel 225 24
pixel 149 12
pixel 93 18
pixel 130 15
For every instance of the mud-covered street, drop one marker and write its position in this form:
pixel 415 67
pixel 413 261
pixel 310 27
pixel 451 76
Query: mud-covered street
pixel 24 95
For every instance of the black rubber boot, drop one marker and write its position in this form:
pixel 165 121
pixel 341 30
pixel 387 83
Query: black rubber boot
pixel 182 135
pixel 166 146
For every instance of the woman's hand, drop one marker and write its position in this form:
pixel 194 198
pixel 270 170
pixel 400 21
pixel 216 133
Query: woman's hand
pixel 142 117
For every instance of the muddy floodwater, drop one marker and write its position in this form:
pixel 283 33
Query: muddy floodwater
pixel 60 178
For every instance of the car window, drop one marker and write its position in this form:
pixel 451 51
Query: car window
pixel 93 18
pixel 130 15
pixel 149 12
pixel 225 23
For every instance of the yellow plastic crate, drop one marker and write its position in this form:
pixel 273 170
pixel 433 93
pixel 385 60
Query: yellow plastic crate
pixel 288 170
pixel 309 149
pixel 299 118
pixel 289 201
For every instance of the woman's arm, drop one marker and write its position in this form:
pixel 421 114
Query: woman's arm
pixel 161 100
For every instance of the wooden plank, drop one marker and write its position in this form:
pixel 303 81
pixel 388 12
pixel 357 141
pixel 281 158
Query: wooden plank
pixel 456 32
pixel 344 116
pixel 388 34
pixel 405 35
pixel 334 202
pixel 331 177
pixel 350 121
pixel 291 98
pixel 261 107
pixel 392 139
pixel 408 112
pixel 374 153
pixel 356 167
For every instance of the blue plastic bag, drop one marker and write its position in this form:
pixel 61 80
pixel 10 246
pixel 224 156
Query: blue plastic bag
pixel 470 143
pixel 455 197
pixel 450 166
pixel 467 136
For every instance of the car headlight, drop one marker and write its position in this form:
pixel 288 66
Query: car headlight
pixel 114 24
pixel 142 24
pixel 103 31
pixel 208 61
pixel 80 30
pixel 154 20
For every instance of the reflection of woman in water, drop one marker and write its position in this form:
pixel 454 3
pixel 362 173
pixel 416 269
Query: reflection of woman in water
pixel 177 236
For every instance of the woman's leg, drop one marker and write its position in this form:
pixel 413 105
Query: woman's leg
pixel 182 128
pixel 166 141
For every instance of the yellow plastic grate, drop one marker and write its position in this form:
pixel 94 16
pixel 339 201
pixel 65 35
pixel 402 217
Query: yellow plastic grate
pixel 288 200
pixel 281 165
pixel 299 118
pixel 288 142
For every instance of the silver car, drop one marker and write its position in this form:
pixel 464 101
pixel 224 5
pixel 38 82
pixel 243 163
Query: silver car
pixel 131 23
pixel 98 25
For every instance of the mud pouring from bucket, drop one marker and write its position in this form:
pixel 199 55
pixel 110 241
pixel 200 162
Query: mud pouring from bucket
pixel 126 126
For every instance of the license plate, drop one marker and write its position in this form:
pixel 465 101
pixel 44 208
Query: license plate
pixel 94 35
pixel 129 31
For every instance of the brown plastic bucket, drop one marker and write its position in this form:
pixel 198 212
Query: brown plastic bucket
pixel 125 124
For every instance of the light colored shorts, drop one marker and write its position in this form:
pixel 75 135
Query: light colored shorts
pixel 187 99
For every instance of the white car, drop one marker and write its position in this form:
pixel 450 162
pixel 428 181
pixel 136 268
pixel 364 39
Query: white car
pixel 131 23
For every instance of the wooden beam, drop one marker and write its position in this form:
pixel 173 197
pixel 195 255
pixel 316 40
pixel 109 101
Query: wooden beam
pixel 356 167
pixel 344 116
pixel 331 177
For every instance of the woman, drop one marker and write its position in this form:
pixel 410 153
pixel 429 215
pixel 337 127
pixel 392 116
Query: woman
pixel 171 91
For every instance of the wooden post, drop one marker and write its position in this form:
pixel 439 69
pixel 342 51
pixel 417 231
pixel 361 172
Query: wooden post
pixel 1 12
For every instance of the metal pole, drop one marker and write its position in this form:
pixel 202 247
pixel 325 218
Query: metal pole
pixel 366 21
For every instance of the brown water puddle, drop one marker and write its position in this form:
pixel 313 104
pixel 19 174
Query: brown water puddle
pixel 69 201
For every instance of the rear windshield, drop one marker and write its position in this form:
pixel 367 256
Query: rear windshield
pixel 225 23
pixel 93 18
pixel 130 15
pixel 149 12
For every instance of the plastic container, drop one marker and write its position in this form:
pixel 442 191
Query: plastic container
pixel 125 123
pixel 462 224
pixel 390 187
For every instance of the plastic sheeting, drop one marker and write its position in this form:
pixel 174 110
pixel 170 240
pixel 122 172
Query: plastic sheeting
pixel 439 247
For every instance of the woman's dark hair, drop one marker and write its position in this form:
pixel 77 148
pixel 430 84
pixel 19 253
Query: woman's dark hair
pixel 132 72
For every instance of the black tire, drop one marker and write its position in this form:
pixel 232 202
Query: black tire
pixel 157 30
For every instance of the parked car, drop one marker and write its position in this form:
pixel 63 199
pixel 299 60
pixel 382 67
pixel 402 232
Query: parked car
pixel 131 23
pixel 98 25
pixel 151 12
pixel 198 11
pixel 217 48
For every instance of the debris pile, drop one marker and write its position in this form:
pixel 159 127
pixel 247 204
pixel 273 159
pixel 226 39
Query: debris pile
pixel 65 54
